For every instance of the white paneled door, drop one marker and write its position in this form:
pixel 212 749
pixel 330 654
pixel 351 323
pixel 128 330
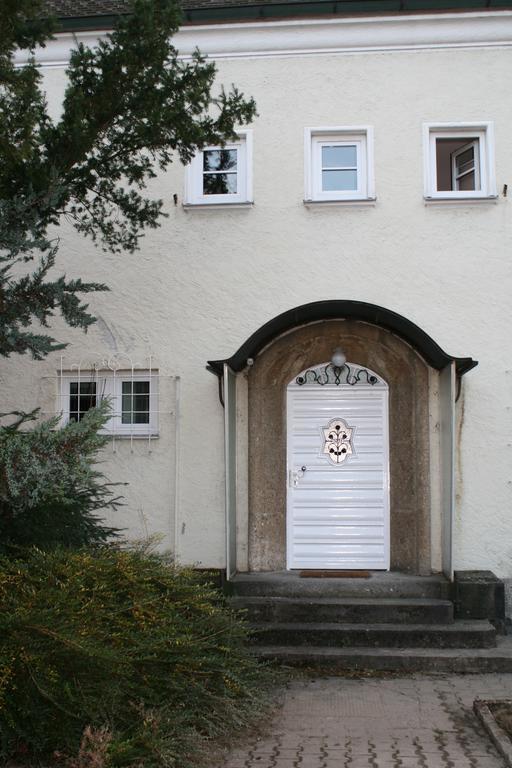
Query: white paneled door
pixel 338 469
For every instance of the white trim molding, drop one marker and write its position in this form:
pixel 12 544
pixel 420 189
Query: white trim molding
pixel 361 138
pixel 319 205
pixel 194 191
pixel 482 132
pixel 318 36
pixel 187 207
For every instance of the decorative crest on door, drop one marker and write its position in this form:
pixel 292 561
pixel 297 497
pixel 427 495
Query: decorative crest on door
pixel 338 375
pixel 338 441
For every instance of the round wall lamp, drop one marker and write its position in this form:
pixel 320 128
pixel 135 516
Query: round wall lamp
pixel 338 358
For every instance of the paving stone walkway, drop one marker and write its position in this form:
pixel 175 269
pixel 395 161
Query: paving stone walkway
pixel 411 722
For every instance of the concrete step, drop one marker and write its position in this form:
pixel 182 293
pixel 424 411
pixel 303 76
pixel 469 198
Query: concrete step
pixel 380 584
pixel 349 610
pixel 460 634
pixel 456 660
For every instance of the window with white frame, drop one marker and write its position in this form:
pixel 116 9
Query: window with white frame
pixel 221 175
pixel 338 164
pixel 459 160
pixel 133 398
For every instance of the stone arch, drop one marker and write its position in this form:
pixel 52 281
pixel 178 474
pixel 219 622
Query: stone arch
pixel 408 377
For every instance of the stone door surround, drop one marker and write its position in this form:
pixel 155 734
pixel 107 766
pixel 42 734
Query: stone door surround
pixel 408 378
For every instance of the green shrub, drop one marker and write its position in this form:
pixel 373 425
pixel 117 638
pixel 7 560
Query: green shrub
pixel 119 643
pixel 50 491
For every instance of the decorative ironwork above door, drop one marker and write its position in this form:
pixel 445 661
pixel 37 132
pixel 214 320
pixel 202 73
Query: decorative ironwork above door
pixel 338 375
pixel 338 441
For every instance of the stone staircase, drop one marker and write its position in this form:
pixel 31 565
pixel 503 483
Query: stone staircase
pixel 387 622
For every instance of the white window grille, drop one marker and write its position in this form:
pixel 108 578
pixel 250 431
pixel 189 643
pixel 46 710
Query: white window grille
pixel 132 390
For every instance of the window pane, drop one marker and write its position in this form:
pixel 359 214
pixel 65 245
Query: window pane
pixel 87 402
pixel 339 181
pixel 219 159
pixel 126 402
pixel 141 402
pixel 450 164
pixel 220 184
pixel 465 168
pixel 87 396
pixel 88 388
pixel 135 402
pixel 141 387
pixel 466 183
pixel 465 161
pixel 82 397
pixel 141 408
pixel 339 157
pixel 73 408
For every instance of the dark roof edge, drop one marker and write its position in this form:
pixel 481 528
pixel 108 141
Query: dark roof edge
pixel 429 350
pixel 86 23
pixel 295 9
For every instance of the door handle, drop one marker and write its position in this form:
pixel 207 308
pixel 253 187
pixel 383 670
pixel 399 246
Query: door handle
pixel 295 475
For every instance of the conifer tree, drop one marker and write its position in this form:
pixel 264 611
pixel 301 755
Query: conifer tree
pixel 131 106
pixel 51 493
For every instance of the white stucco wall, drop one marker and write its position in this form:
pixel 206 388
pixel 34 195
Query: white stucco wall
pixel 206 280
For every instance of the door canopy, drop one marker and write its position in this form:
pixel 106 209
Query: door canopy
pixel 343 310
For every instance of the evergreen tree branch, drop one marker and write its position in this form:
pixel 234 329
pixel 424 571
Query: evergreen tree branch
pixel 131 106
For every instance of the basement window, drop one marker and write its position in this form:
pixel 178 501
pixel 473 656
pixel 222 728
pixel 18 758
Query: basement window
pixel 133 398
pixel 459 161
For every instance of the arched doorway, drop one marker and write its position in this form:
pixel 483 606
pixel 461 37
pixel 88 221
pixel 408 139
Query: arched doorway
pixel 423 381
pixel 407 376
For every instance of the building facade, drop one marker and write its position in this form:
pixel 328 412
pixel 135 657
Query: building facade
pixel 310 359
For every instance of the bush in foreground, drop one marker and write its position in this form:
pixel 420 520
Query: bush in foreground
pixel 50 491
pixel 121 653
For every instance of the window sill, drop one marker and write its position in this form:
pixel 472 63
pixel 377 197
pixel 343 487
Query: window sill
pixel 128 436
pixel 211 206
pixel 489 200
pixel 363 202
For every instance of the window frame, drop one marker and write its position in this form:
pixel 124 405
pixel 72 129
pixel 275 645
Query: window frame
pixel 79 395
pixel 109 385
pixel 194 175
pixel 483 132
pixel 474 144
pixel 315 139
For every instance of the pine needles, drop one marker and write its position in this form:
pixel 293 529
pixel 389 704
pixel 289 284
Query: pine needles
pixel 118 657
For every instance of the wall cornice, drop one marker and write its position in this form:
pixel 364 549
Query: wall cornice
pixel 480 29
